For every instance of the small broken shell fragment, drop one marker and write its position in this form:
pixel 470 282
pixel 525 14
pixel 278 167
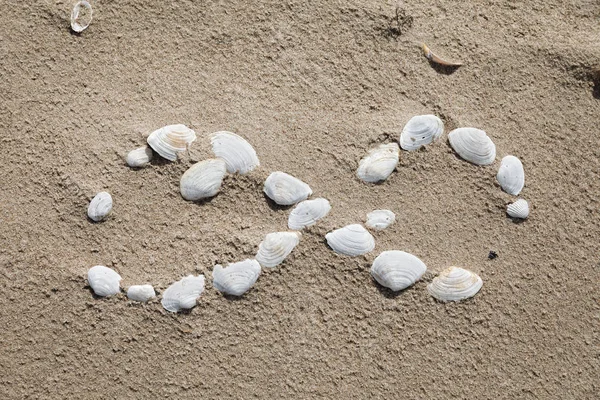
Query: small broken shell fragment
pixel 100 207
pixel 141 293
pixel 421 130
pixel 81 16
pixel 380 219
pixel 286 190
pixel 397 270
pixel 237 278
pixel 473 145
pixel 518 209
pixel 139 157
pixel 170 140
pixel 351 240
pixel 276 247
pixel 104 281
pixel 455 284
pixel 203 179
pixel 238 154
pixel 183 294
pixel 511 175
pixel 379 163
pixel 307 213
pixel 432 57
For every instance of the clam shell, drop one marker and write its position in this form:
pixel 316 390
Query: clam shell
pixel 308 212
pixel 473 145
pixel 455 284
pixel 100 206
pixel 352 240
pixel 380 219
pixel 397 270
pixel 518 209
pixel 236 278
pixel 276 247
pixel 286 190
pixel 420 131
pixel 141 293
pixel 104 281
pixel 511 175
pixel 379 163
pixel 81 19
pixel 236 151
pixel 170 140
pixel 203 179
pixel 182 295
pixel 139 157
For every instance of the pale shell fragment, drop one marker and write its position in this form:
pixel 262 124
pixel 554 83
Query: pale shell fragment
pixel 203 179
pixel 170 140
pixel 104 281
pixel 276 247
pixel 421 130
pixel 380 219
pixel 238 154
pixel 351 240
pixel 139 157
pixel 183 294
pixel 511 175
pixel 379 163
pixel 455 284
pixel 141 293
pixel 100 206
pixel 237 278
pixel 397 270
pixel 438 60
pixel 286 190
pixel 308 212
pixel 473 145
pixel 81 19
pixel 518 209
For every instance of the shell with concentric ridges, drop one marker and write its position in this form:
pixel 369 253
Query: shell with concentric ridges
pixel 276 247
pixel 473 145
pixel 238 154
pixel 285 189
pixel 420 131
pixel 237 278
pixel 397 270
pixel 455 284
pixel 351 240
pixel 183 294
pixel 203 179
pixel 104 281
pixel 170 140
pixel 308 212
pixel 379 163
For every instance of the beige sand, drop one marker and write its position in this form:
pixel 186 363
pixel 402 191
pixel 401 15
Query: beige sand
pixel 312 85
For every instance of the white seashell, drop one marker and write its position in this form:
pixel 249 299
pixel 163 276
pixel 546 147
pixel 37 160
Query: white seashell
pixel 141 293
pixel 511 175
pixel 397 270
pixel 202 179
pixel 139 157
pixel 308 212
pixel 420 131
pixel 455 284
pixel 473 145
pixel 236 151
pixel 170 140
pixel 276 247
pixel 286 190
pixel 104 281
pixel 380 219
pixel 379 163
pixel 518 209
pixel 81 16
pixel 352 240
pixel 182 295
pixel 236 278
pixel 100 206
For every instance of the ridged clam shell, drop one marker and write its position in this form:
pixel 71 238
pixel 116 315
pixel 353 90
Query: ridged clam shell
pixel 455 284
pixel 141 293
pixel 308 212
pixel 238 154
pixel 380 219
pixel 379 163
pixel 81 19
pixel 104 281
pixel 170 140
pixel 203 179
pixel 286 190
pixel 100 206
pixel 139 157
pixel 511 175
pixel 352 240
pixel 473 145
pixel 420 131
pixel 276 247
pixel 236 278
pixel 518 209
pixel 397 270
pixel 182 295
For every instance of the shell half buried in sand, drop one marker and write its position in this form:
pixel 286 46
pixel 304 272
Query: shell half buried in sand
pixel 104 281
pixel 455 284
pixel 397 270
pixel 276 247
pixel 308 212
pixel 170 140
pixel 100 206
pixel 139 157
pixel 351 240
pixel 379 163
pixel 286 190
pixel 380 219
pixel 473 145
pixel 203 179
pixel 237 278
pixel 419 131
pixel 81 16
pixel 511 175
pixel 518 209
pixel 183 294
pixel 238 154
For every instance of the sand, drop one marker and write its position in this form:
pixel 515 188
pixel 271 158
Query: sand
pixel 312 85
